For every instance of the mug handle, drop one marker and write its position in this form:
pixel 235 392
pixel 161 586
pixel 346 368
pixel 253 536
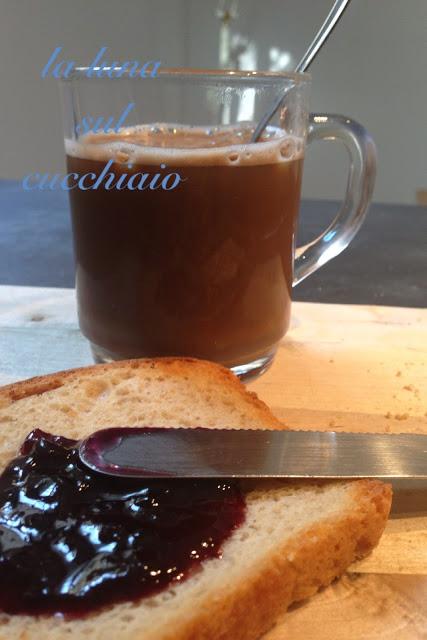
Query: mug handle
pixel 360 185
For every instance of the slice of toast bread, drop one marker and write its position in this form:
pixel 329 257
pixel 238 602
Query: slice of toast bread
pixel 296 537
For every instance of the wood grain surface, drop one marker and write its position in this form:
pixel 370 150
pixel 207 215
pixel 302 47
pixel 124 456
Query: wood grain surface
pixel 359 368
pixel 341 367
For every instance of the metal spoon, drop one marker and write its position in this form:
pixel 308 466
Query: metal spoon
pixel 322 35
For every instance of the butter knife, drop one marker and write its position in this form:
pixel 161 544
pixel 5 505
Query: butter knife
pixel 253 453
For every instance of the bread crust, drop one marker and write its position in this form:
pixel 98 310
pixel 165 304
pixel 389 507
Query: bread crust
pixel 295 571
pixel 179 366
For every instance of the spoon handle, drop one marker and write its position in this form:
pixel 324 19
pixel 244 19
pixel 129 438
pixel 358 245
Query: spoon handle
pixel 322 35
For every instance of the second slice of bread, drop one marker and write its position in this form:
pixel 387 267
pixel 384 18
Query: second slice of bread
pixel 296 536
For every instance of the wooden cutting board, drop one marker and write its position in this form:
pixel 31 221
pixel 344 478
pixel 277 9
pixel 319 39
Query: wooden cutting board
pixel 360 368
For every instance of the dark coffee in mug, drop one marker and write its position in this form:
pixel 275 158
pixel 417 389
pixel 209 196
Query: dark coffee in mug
pixel 202 270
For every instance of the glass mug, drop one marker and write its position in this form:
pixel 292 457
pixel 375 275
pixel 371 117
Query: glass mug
pixel 183 229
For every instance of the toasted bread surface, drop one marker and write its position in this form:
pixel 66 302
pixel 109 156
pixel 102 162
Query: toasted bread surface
pixel 296 537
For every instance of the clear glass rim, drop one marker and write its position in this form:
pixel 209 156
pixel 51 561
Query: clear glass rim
pixel 79 73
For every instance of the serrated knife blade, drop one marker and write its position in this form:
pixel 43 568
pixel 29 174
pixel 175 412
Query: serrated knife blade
pixel 253 453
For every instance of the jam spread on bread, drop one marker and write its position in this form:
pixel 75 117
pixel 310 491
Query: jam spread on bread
pixel 73 541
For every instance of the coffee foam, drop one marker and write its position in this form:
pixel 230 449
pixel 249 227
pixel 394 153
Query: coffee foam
pixel 178 145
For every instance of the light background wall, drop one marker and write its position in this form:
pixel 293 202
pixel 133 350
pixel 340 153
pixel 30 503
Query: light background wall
pixel 374 69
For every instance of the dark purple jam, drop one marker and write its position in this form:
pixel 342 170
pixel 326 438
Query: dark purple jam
pixel 73 541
